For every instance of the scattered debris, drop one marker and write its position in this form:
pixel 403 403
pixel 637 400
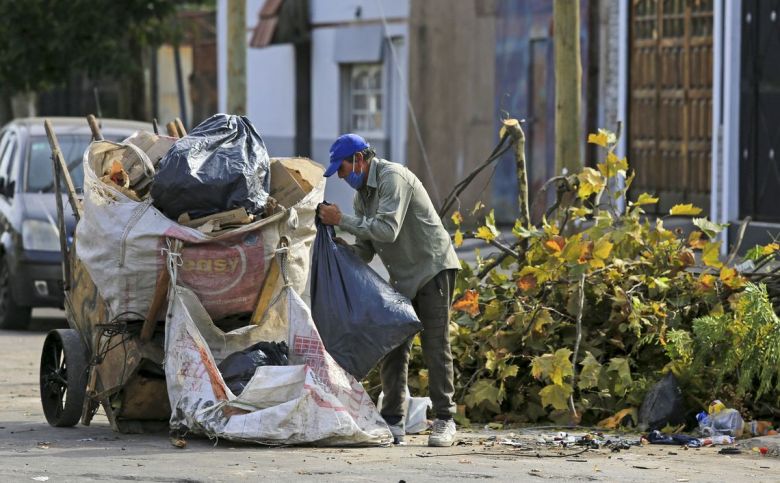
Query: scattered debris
pixel 623 418
pixel 657 437
pixel 730 451
pixel 178 442
pixel 720 420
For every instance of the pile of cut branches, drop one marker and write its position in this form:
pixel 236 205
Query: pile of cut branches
pixel 574 319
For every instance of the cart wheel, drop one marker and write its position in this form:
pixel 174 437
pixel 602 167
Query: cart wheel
pixel 63 377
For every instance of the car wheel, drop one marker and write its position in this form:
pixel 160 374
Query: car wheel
pixel 12 316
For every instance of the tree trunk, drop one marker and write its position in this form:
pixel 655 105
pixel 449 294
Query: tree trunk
pixel 512 127
pixel 568 85
pixel 23 104
pixel 237 43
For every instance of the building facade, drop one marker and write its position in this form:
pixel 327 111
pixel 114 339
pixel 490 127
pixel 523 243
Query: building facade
pixel 357 66
pixel 693 83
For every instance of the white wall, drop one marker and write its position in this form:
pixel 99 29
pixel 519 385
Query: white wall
pixel 325 88
pixel 327 11
pixel 270 82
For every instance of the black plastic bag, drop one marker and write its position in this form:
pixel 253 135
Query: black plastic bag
pixel 359 316
pixel 657 437
pixel 239 367
pixel 222 164
pixel 663 404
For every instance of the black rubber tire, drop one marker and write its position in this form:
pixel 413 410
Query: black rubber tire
pixel 63 377
pixel 12 316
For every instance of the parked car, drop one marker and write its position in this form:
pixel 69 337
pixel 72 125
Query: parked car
pixel 30 256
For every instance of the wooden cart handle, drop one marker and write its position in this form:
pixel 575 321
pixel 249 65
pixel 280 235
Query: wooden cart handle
pixel 160 295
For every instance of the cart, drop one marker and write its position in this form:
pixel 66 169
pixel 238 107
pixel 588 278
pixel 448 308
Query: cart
pixel 98 361
pixel 219 291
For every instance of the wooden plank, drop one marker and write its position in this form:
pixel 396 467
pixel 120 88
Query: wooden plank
pixel 269 284
pixel 160 296
pixel 180 127
pixel 61 227
pixel 75 203
pixel 237 216
pixel 94 127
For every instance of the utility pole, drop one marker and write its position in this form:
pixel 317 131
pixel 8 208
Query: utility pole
pixel 237 44
pixel 568 85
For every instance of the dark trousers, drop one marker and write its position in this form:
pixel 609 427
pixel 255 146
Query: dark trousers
pixel 432 305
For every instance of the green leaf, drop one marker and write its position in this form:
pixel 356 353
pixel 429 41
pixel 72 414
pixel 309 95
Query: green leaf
pixel 645 199
pixel 542 366
pixel 620 367
pixel 457 218
pixel 684 210
pixel 478 206
pixel 489 231
pixel 509 371
pixel 484 394
pixel 711 254
pixel 485 233
pixel 591 182
pixel 760 251
pixel 591 371
pixel 458 241
pixel 490 361
pixel 604 138
pixel 755 253
pixel 555 366
pixel 555 395
pixel 708 227
pixel 493 310
pixel 522 232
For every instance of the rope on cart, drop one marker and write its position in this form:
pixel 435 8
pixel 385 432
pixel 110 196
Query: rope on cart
pixel 115 327
pixel 173 258
pixel 281 253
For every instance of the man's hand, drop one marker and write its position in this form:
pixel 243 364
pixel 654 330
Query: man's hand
pixel 330 214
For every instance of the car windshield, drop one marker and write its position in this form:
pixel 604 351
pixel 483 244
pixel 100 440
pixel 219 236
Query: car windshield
pixel 40 177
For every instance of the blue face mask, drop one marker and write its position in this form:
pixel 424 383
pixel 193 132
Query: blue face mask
pixel 355 180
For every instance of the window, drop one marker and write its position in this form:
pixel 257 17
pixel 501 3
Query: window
pixel 7 159
pixel 363 99
pixel 40 171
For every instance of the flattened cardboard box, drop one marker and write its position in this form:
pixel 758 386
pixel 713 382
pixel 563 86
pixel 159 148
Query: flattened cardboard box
pixel 293 178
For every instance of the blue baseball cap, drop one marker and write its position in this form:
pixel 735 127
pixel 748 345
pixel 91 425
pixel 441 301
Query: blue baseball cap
pixel 345 146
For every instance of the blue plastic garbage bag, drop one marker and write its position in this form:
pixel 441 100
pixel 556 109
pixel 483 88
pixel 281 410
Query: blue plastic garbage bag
pixel 222 164
pixel 359 316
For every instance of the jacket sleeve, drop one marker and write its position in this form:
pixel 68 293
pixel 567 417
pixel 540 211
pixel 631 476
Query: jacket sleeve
pixel 363 248
pixel 395 194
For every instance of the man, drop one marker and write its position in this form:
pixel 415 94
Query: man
pixel 395 219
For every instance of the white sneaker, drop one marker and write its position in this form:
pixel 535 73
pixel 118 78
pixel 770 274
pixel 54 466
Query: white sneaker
pixel 443 433
pixel 398 431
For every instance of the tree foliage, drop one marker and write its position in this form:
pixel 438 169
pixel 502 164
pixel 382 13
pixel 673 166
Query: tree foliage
pixel 44 41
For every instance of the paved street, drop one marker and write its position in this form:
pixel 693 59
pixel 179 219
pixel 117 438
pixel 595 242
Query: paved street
pixel 31 450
